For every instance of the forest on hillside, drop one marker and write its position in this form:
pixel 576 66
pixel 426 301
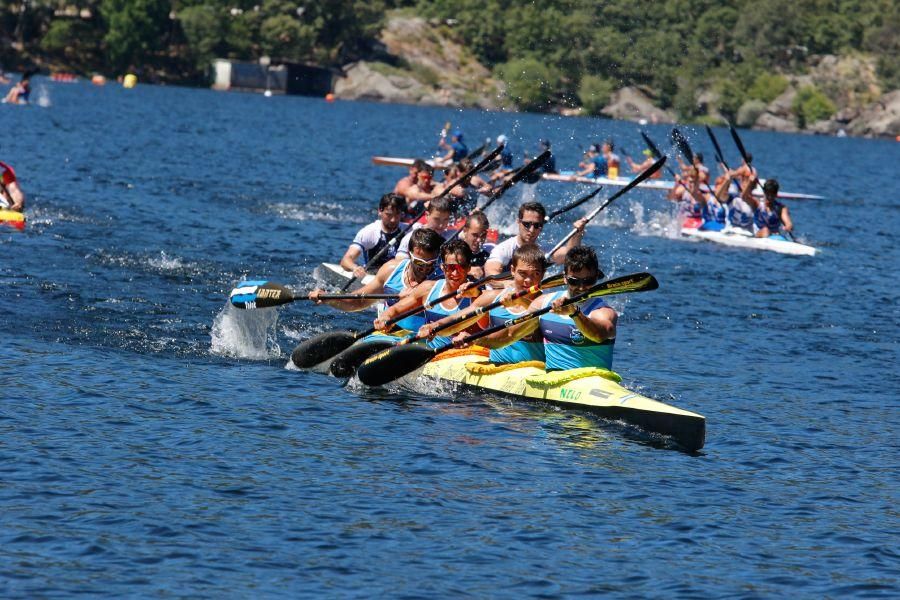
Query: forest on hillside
pixel 550 53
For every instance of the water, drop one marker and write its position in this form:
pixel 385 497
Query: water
pixel 152 442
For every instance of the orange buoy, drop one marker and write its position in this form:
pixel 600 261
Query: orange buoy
pixel 329 97
pixel 98 79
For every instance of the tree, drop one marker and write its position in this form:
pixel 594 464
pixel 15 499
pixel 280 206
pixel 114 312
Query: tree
pixel 135 29
pixel 530 83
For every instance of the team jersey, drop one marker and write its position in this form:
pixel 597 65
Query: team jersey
pixel 371 239
pixel 531 347
pixel 438 312
pixel 480 257
pixel 769 217
pixel 9 175
pixel 460 151
pixel 395 284
pixel 740 214
pixel 601 167
pixel 503 252
pixel 403 249
pixel 565 347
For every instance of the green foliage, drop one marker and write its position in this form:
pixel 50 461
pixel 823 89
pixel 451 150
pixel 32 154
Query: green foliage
pixel 767 87
pixel 530 83
pixel 59 36
pixel 284 37
pixel 135 29
pixel 594 93
pixel 749 112
pixel 205 29
pixel 811 105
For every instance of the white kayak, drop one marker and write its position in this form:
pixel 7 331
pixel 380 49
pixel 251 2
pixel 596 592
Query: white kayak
pixel 330 274
pixel 740 238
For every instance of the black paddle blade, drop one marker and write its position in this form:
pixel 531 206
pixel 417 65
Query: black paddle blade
pixel 738 143
pixel 651 146
pixel 639 282
pixel 683 145
pixel 394 363
pixel 346 363
pixel 260 294
pixel 321 347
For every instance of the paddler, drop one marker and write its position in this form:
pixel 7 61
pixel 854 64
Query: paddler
pixel 424 189
pixel 527 269
pixel 11 195
pixel 770 216
pixel 531 219
pixel 506 159
pixel 575 336
pixel 397 276
pixel 685 193
pixel 403 185
pixel 372 238
pixel 19 93
pixel 437 218
pixel 642 166
pixel 612 159
pixel 549 165
pixel 474 233
pixel 728 192
pixel 594 164
pixel 456 260
pixel 463 197
pixel 456 149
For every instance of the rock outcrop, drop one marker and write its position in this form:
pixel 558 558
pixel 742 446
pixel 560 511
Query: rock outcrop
pixel 421 67
pixel 634 104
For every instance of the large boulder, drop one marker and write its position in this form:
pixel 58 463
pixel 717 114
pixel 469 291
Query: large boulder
pixel 633 104
pixel 879 119
pixel 779 114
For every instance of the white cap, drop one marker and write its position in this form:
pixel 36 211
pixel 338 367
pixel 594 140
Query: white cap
pixel 501 139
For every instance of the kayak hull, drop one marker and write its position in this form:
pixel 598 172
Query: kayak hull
pixel 737 238
pixel 12 218
pixel 596 394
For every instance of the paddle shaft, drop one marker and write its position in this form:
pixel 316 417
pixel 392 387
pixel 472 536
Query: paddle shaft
pixel 755 182
pixel 655 151
pixel 395 242
pixel 683 145
pixel 646 174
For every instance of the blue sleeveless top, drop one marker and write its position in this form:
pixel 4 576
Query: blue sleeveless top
pixel 566 347
pixel 530 347
pixel 438 312
pixel 395 285
pixel 770 218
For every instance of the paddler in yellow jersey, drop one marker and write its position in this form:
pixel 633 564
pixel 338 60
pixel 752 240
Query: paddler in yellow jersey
pixel 580 335
pixel 397 276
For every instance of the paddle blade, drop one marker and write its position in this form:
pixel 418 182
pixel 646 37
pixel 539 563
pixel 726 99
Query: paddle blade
pixel 321 347
pixel 260 294
pixel 738 143
pixel 651 146
pixel 638 282
pixel 346 363
pixel 394 363
pixel 683 145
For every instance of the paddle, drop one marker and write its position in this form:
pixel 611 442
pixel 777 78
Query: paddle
pixel 656 153
pixel 575 204
pixel 679 140
pixel 266 294
pixel 327 345
pixel 719 156
pixel 396 362
pixel 518 176
pixel 479 150
pixel 346 363
pixel 745 156
pixel 631 185
pixel 395 241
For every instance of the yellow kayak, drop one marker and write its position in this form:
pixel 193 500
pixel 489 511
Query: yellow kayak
pixel 12 218
pixel 591 389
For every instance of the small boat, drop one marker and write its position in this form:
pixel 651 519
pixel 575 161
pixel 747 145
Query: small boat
pixel 12 218
pixel 740 238
pixel 569 177
pixel 589 389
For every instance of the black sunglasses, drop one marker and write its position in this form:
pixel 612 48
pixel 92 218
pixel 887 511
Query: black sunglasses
pixel 580 281
pixel 532 224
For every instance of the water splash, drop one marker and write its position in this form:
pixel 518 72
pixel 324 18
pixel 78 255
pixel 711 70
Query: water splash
pixel 166 263
pixel 247 334
pixel 42 96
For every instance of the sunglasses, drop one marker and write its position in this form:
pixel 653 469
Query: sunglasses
pixel 456 269
pixel 421 263
pixel 532 224
pixel 581 281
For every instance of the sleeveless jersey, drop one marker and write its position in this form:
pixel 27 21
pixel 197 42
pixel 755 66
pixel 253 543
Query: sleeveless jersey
pixel 768 217
pixel 530 347
pixel 565 347
pixel 438 312
pixel 395 285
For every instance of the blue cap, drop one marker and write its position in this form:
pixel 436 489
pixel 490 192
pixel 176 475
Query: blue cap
pixel 457 134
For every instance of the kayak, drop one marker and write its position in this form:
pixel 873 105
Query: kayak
pixel 740 238
pixel 12 218
pixel 569 177
pixel 658 184
pixel 589 389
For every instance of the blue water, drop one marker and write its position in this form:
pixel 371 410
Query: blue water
pixel 152 442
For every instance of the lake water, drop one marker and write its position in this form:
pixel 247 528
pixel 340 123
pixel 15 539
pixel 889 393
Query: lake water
pixel 152 441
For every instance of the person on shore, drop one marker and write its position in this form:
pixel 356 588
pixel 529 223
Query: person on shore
pixel 397 276
pixel 406 182
pixel 371 239
pixel 11 195
pixel 456 149
pixel 437 219
pixel 531 219
pixel 527 270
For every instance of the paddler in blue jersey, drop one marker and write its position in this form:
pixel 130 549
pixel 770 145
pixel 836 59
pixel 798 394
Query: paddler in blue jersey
pixel 594 164
pixel 456 260
pixel 456 149
pixel 372 238
pixel 739 212
pixel 527 270
pixel 770 216
pixel 398 276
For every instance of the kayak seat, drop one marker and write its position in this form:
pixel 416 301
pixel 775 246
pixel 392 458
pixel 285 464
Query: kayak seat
pixel 486 368
pixel 556 378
